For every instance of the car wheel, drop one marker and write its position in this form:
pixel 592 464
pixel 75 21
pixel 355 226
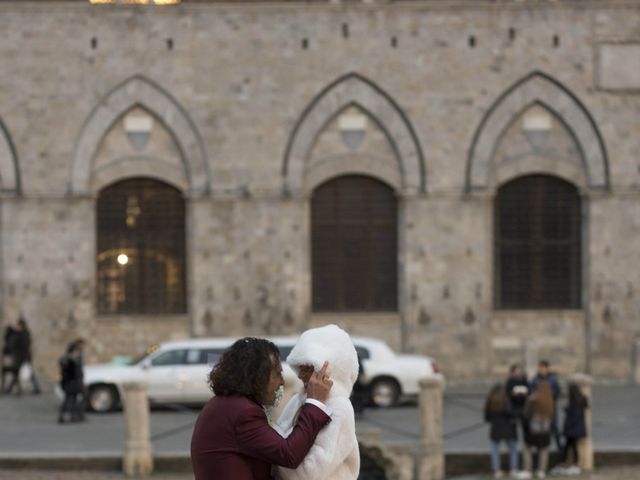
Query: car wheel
pixel 385 392
pixel 103 398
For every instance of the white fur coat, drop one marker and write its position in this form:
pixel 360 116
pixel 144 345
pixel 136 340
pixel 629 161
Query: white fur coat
pixel 335 454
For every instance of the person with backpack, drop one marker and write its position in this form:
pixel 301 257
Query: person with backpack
pixel 503 422
pixel 538 416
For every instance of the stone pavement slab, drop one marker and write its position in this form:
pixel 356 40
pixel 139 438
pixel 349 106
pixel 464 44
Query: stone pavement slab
pixel 28 425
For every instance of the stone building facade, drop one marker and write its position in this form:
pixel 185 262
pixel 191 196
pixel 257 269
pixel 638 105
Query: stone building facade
pixel 246 109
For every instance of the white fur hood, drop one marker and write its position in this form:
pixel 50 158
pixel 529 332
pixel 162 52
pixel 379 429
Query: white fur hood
pixel 333 344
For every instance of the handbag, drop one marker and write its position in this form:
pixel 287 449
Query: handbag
pixel 26 370
pixel 539 425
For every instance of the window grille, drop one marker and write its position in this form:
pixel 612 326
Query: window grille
pixel 141 248
pixel 538 244
pixel 354 246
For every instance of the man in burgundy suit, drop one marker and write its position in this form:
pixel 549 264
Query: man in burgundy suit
pixel 232 439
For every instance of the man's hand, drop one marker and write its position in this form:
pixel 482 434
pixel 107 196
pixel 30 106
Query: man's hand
pixel 319 384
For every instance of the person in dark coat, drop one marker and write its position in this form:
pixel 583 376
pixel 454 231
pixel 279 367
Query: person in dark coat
pixel 360 394
pixel 21 346
pixel 517 390
pixel 8 359
pixel 72 383
pixel 499 414
pixel 20 350
pixel 575 427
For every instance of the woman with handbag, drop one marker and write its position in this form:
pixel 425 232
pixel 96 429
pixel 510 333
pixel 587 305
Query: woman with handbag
pixel 500 415
pixel 538 415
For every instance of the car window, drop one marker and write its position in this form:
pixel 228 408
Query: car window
pixel 210 356
pixel 193 356
pixel 363 353
pixel 285 351
pixel 170 357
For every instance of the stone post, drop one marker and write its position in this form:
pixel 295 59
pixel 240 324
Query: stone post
pixel 432 450
pixel 585 446
pixel 138 454
pixel 530 355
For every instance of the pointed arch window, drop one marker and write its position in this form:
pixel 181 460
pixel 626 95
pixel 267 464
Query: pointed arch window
pixel 537 244
pixel 354 245
pixel 141 248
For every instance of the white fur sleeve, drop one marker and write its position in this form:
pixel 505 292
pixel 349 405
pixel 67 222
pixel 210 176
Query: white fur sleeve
pixel 332 446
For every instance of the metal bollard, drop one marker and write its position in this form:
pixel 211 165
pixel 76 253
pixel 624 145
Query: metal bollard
pixel 138 454
pixel 585 446
pixel 432 449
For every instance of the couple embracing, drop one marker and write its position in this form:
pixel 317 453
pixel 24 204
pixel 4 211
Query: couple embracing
pixel 313 439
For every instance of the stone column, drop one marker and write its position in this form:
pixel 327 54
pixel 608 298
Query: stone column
pixel 138 454
pixel 530 354
pixel 432 450
pixel 585 446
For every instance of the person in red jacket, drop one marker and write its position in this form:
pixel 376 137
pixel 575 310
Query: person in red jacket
pixel 232 438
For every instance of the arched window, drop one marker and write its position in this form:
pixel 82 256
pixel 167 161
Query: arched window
pixel 141 248
pixel 354 246
pixel 537 244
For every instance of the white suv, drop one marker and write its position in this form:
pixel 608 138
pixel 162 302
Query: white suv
pixel 177 371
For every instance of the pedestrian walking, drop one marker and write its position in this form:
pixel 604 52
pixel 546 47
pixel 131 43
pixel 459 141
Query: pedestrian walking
pixel 72 383
pixel 538 414
pixel 20 351
pixel 574 430
pixel 8 359
pixel 544 374
pixel 499 414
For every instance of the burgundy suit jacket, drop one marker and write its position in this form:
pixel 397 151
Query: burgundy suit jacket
pixel 232 440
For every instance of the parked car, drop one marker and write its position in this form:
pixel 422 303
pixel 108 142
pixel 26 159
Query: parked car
pixel 177 371
pixel 390 376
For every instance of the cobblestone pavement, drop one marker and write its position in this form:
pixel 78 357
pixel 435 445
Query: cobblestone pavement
pixel 622 473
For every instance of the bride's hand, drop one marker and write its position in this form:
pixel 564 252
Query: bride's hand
pixel 319 384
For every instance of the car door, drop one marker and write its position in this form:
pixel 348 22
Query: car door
pixel 165 375
pixel 199 362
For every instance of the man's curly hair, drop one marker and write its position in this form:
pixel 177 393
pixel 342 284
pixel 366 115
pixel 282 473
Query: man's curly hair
pixel 244 369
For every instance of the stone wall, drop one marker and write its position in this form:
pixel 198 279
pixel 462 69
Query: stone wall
pixel 245 100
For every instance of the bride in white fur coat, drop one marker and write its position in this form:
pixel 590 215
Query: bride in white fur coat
pixel 335 454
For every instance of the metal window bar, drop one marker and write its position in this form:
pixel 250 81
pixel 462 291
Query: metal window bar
pixel 143 219
pixel 354 245
pixel 537 244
